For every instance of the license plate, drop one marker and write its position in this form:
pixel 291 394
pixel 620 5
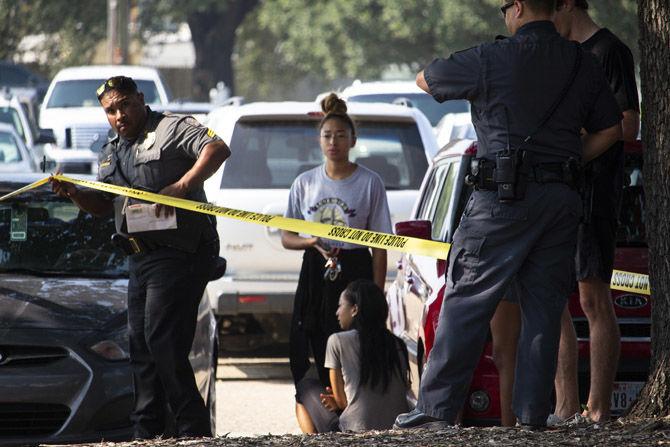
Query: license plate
pixel 624 394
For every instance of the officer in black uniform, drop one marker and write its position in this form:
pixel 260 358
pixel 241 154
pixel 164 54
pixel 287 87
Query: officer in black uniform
pixel 531 94
pixel 169 269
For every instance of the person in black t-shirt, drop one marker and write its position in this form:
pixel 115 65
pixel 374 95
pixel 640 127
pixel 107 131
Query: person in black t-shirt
pixel 597 236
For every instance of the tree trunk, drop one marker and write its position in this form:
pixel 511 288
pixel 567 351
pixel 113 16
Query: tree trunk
pixel 654 399
pixel 213 34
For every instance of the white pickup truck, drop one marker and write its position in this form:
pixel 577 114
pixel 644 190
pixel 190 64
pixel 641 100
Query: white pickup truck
pixel 271 144
pixel 80 126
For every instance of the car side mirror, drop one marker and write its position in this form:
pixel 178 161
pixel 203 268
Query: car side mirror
pixel 422 229
pixel 46 136
pixel 48 165
pixel 402 101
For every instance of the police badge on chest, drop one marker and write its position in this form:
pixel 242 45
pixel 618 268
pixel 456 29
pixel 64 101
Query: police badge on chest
pixel 148 142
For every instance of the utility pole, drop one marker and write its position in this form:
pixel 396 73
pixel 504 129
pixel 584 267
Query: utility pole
pixel 112 28
pixel 124 35
pixel 118 17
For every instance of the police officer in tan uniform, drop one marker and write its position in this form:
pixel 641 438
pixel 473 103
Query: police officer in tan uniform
pixel 169 269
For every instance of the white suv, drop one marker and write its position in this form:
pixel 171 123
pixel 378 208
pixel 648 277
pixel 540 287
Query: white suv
pixel 71 109
pixel 271 144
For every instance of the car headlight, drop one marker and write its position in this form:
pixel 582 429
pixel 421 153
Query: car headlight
pixel 113 346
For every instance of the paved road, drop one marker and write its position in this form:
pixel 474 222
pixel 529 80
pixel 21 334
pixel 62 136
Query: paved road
pixel 254 396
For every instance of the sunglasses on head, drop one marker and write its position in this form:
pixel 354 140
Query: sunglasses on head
pixel 122 83
pixel 505 7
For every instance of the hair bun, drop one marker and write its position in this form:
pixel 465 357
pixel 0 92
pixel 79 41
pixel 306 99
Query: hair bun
pixel 333 104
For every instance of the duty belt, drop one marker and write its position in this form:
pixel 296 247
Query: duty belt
pixel 568 172
pixel 131 245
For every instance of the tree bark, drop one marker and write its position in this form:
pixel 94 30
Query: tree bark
pixel 654 15
pixel 213 34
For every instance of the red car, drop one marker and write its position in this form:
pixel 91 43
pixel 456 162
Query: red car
pixel 415 297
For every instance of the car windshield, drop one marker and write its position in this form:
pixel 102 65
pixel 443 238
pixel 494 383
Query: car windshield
pixel 271 154
pixel 81 93
pixel 43 234
pixel 9 149
pixel 631 230
pixel 433 110
pixel 10 115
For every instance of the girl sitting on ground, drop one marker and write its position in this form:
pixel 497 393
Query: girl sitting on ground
pixel 368 368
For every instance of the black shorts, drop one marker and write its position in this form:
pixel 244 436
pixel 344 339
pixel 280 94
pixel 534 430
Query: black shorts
pixel 596 238
pixel 596 242
pixel 604 182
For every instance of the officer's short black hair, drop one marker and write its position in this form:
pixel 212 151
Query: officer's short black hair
pixel 583 4
pixel 545 6
pixel 121 84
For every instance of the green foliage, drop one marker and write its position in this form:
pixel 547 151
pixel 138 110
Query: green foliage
pixel 164 15
pixel 327 40
pixel 283 41
pixel 155 14
pixel 334 39
pixel 12 28
pixel 620 16
pixel 71 31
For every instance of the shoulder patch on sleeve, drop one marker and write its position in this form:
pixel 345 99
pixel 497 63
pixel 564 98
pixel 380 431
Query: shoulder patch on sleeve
pixel 192 121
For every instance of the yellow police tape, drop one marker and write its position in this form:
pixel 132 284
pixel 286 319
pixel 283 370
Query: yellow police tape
pixel 630 282
pixel 626 281
pixel 345 234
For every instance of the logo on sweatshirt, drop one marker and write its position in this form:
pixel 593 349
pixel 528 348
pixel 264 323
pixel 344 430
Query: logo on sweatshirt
pixel 332 211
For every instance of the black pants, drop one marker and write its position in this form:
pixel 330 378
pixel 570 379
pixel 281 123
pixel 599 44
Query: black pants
pixel 314 308
pixel 164 292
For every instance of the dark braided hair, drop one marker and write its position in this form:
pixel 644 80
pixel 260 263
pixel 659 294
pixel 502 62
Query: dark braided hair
pixel 380 354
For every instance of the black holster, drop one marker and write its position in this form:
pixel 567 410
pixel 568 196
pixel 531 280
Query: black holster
pixel 511 174
pixel 130 245
pixel 508 175
pixel 220 265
